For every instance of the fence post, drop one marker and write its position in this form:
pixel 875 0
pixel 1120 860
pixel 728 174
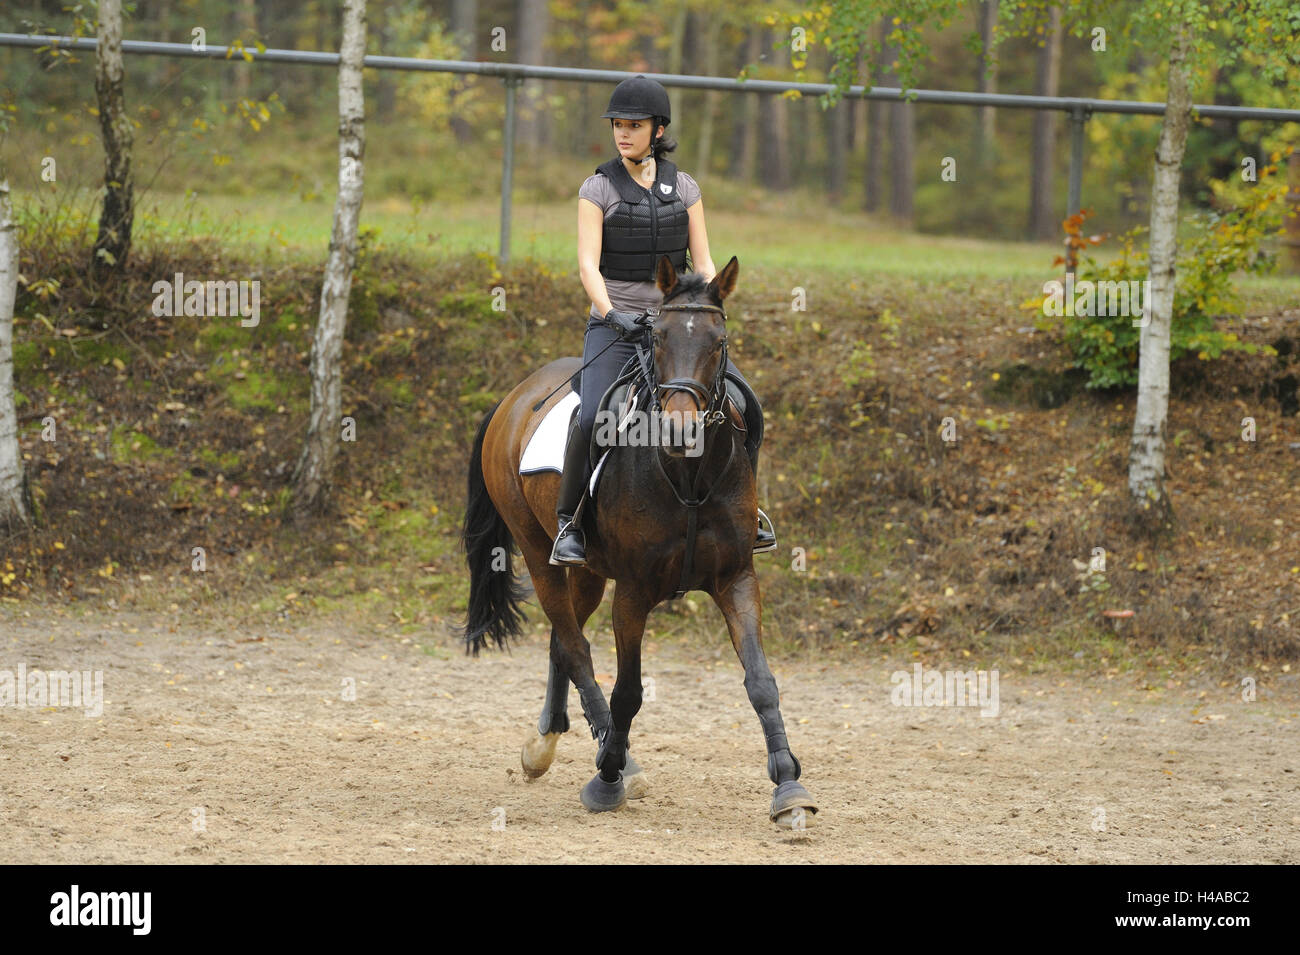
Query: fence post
pixel 507 168
pixel 1078 117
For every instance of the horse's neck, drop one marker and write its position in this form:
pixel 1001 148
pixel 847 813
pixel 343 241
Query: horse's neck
pixel 702 473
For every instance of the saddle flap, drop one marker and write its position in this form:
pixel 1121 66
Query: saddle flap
pixel 737 394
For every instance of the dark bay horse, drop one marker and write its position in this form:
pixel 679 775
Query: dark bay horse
pixel 636 534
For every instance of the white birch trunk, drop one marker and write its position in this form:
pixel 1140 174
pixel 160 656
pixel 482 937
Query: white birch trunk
pixel 12 506
pixel 1146 469
pixel 311 478
pixel 113 243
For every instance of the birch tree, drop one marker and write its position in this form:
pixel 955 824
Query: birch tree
pixel 1146 468
pixel 113 243
pixel 1187 30
pixel 13 507
pixel 311 477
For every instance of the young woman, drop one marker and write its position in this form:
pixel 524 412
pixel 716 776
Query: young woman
pixel 620 239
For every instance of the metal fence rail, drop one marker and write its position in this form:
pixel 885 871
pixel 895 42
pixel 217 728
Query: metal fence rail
pixel 513 74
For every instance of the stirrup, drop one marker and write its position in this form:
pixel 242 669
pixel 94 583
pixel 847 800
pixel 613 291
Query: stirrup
pixel 763 548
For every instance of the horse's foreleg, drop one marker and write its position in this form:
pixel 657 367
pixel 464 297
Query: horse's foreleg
pixel 607 789
pixel 792 805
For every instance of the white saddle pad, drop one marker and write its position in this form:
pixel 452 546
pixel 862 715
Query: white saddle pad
pixel 545 449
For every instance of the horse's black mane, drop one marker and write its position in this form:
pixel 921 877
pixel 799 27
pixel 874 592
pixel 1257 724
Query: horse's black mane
pixel 687 282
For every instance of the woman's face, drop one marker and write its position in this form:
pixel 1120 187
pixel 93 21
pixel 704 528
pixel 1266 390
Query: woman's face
pixel 632 136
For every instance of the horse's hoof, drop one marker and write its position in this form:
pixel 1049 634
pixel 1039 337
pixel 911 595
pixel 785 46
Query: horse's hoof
pixel 792 806
pixel 634 779
pixel 538 754
pixel 600 796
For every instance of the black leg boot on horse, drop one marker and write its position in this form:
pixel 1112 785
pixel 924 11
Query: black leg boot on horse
pixel 570 549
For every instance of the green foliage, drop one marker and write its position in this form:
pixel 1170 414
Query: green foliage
pixel 131 445
pixel 363 298
pixel 472 304
pixel 1221 245
pixel 26 355
pixel 861 365
pixel 225 461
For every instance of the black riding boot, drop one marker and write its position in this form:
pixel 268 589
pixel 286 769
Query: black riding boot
pixel 570 548
pixel 766 539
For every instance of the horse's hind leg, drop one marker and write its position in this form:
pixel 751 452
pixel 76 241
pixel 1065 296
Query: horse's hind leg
pixel 539 750
pixel 570 657
pixel 585 592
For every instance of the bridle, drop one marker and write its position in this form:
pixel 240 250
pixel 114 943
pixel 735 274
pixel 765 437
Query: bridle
pixel 708 399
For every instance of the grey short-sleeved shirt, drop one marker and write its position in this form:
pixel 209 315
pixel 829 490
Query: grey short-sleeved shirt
pixel 624 295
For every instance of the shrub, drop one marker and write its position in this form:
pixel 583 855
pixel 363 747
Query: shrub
pixel 1221 245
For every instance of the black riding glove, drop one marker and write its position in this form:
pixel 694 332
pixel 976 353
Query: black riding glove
pixel 628 323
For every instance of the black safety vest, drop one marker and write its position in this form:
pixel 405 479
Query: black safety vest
pixel 644 225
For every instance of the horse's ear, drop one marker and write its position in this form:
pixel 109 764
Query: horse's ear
pixel 724 283
pixel 665 275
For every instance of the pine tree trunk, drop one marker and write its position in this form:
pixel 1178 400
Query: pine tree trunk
pixel 877 112
pixel 246 23
pixel 902 138
pixel 712 98
pixel 464 22
pixel 837 148
pixel 774 125
pixel 13 506
pixel 750 109
pixel 386 80
pixel 1147 452
pixel 312 475
pixel 987 82
pixel 1043 221
pixel 533 19
pixel 113 243
pixel 677 40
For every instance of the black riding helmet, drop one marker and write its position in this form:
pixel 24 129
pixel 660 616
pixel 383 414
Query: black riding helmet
pixel 639 97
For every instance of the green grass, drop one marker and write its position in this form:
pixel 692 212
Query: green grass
pixel 792 237
pixel 798 240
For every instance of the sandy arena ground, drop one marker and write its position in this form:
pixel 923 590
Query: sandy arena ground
pixel 251 728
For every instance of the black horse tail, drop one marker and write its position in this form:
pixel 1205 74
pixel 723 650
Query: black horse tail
pixel 495 593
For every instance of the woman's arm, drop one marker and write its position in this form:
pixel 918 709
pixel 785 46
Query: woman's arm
pixel 699 240
pixel 591 226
